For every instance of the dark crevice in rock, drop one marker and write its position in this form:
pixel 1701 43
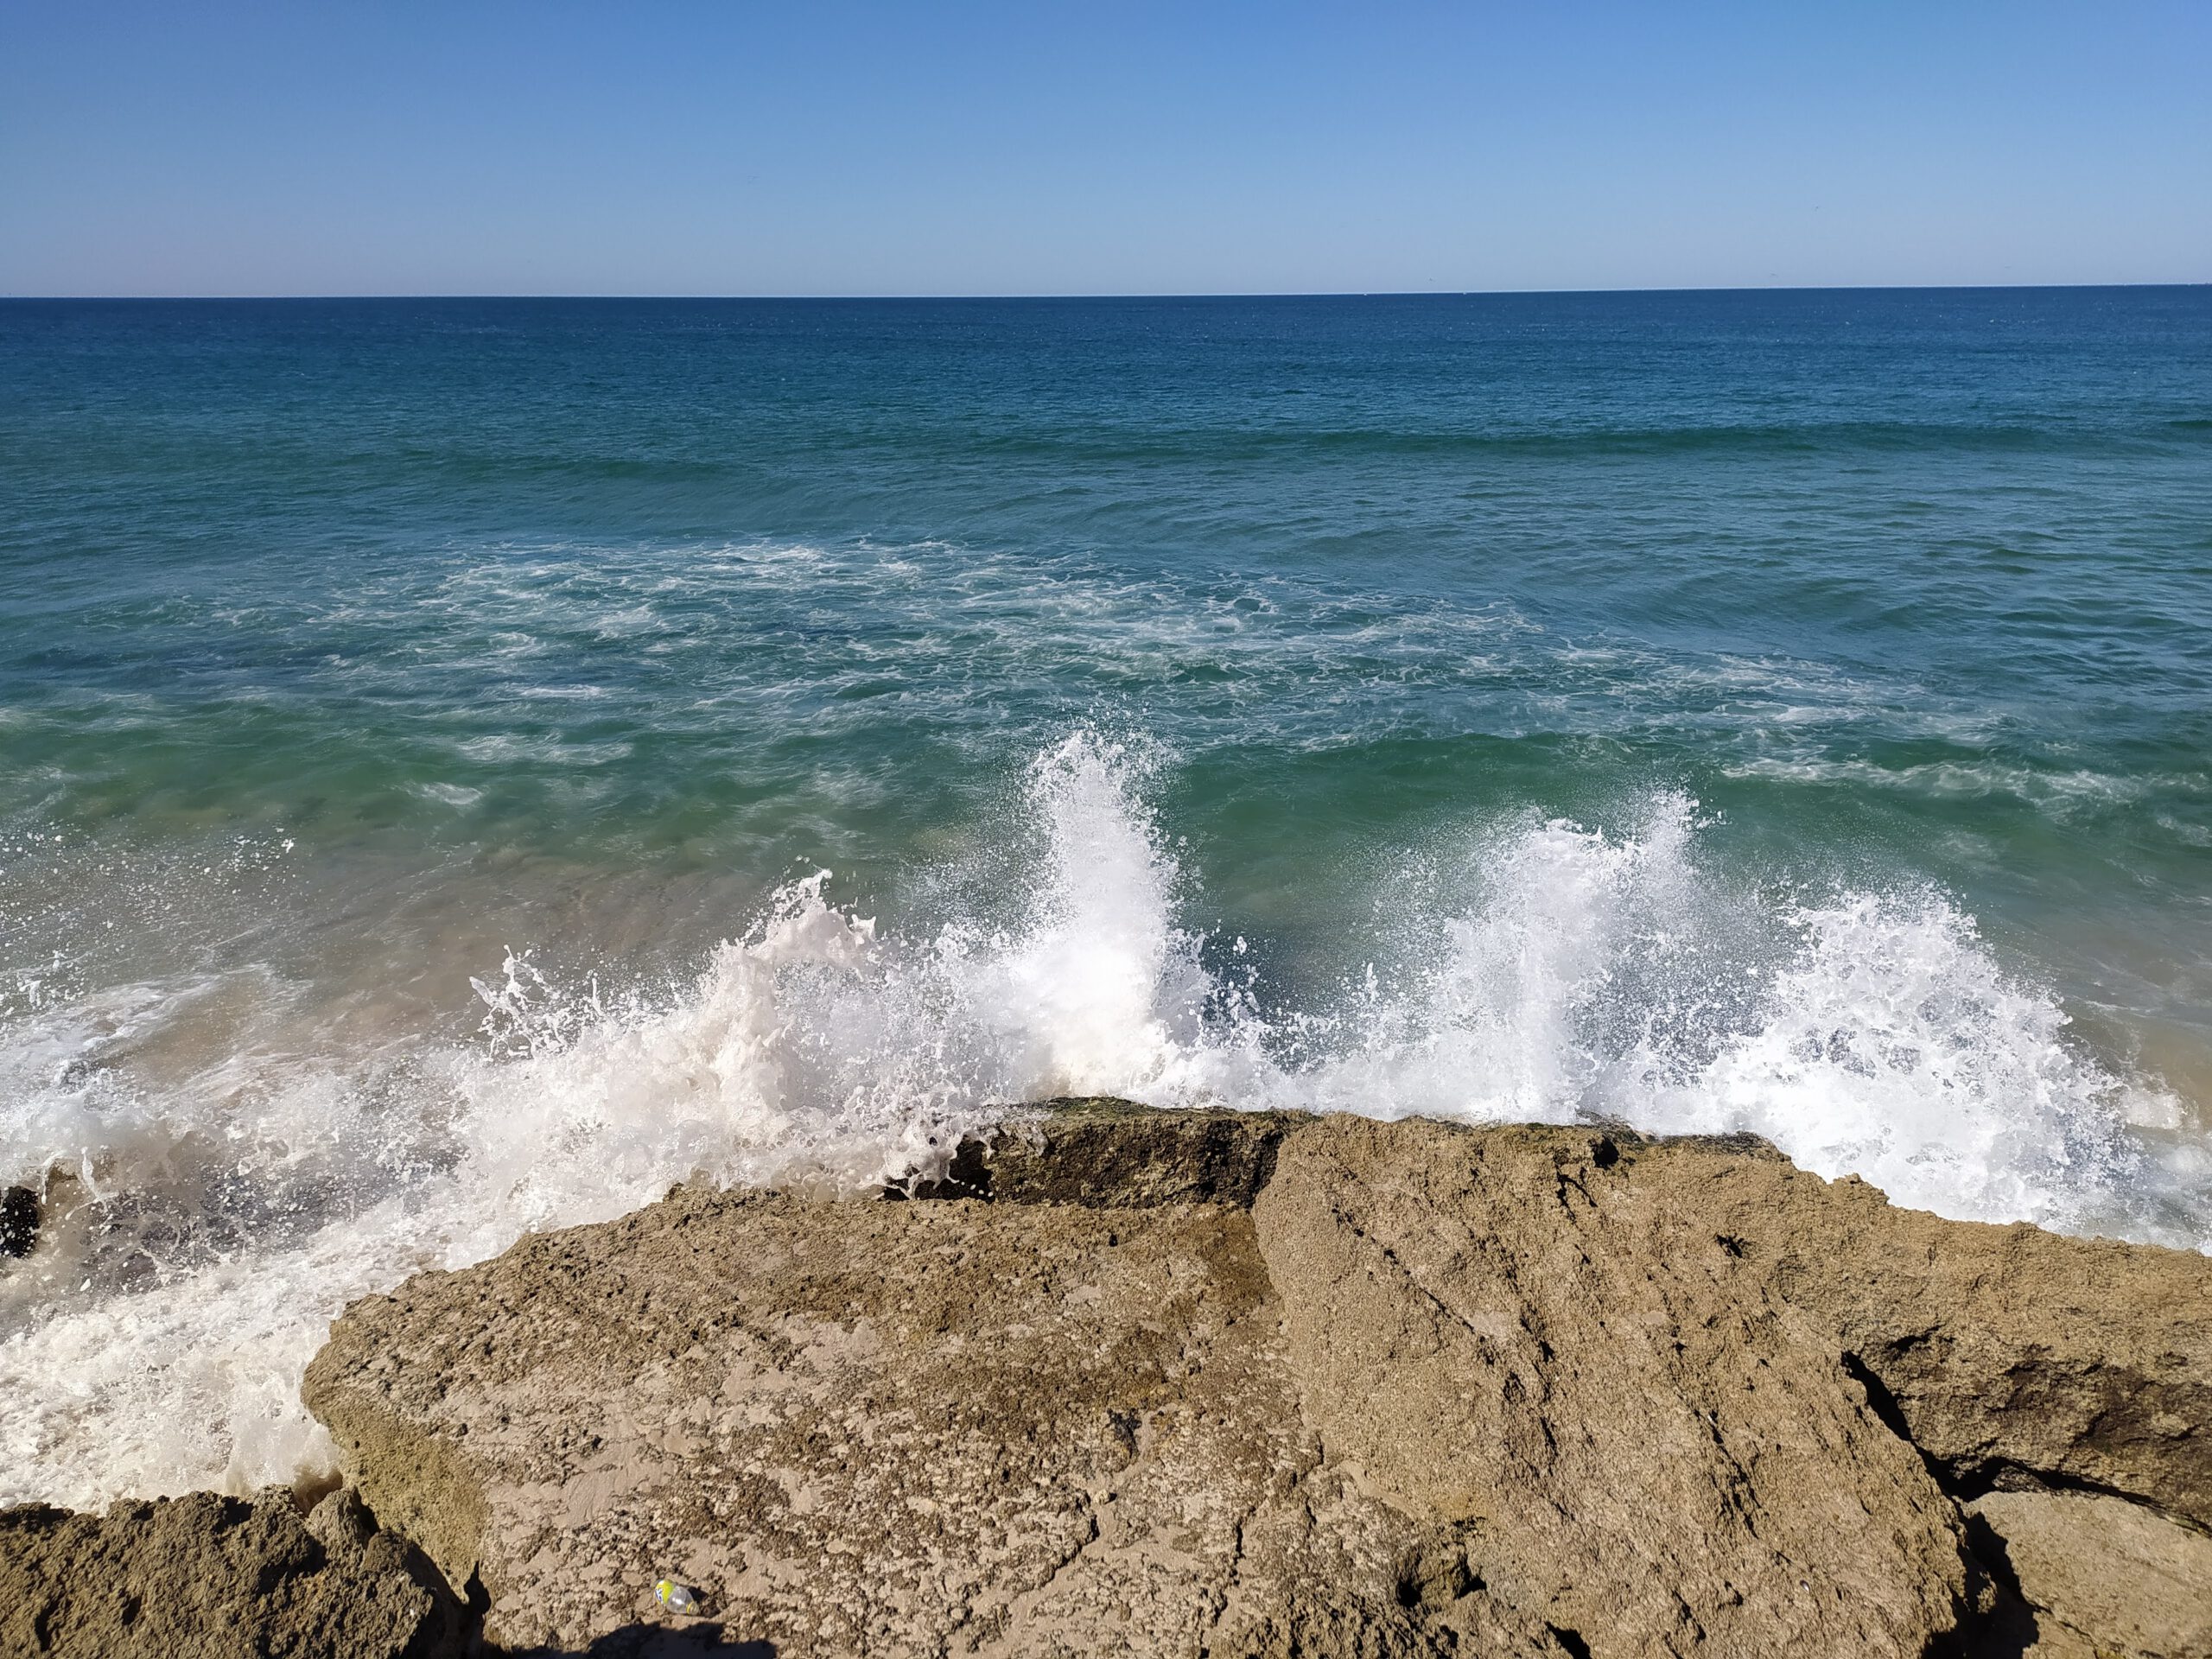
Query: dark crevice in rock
pixel 1570 1640
pixel 1963 1480
pixel 2008 1630
pixel 1996 1623
pixel 1883 1404
pixel 20 1215
pixel 1990 1554
pixel 1966 1481
pixel 477 1600
pixel 1567 1179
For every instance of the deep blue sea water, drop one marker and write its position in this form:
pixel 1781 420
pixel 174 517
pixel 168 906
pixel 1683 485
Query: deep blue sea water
pixel 1784 711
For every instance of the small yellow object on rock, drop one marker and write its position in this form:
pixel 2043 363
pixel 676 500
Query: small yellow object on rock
pixel 674 1596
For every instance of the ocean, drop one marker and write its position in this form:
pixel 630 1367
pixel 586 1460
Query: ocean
pixel 468 765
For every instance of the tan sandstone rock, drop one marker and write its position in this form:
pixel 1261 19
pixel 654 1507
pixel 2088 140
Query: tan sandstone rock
pixel 884 1428
pixel 1206 1384
pixel 2011 1357
pixel 2104 1577
pixel 204 1577
pixel 1653 1449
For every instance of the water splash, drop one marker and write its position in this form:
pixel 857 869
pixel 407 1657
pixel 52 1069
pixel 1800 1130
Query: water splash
pixel 207 1230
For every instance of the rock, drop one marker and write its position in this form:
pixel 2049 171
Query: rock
pixel 889 1429
pixel 1178 1383
pixel 2010 1356
pixel 207 1577
pixel 2007 1355
pixel 1647 1446
pixel 1111 1154
pixel 341 1521
pixel 2103 1576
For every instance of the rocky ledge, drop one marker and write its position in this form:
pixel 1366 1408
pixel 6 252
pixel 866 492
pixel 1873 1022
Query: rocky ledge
pixel 1220 1384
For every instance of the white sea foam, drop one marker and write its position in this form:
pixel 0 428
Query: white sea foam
pixel 2060 792
pixel 457 795
pixel 208 1228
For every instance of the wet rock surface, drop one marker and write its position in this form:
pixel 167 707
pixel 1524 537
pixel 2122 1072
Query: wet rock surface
pixel 1221 1384
pixel 1112 1155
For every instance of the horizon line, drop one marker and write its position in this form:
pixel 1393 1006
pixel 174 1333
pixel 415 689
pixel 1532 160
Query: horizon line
pixel 1145 293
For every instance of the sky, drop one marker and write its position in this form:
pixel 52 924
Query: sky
pixel 824 147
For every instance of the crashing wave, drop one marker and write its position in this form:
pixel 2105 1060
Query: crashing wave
pixel 1578 974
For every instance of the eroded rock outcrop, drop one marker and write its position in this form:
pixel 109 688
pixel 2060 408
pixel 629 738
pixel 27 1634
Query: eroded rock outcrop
pixel 1693 1361
pixel 884 1427
pixel 1518 1334
pixel 1184 1383
pixel 205 1577
pixel 1222 1384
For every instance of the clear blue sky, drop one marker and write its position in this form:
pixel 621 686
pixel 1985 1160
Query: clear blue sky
pixel 818 147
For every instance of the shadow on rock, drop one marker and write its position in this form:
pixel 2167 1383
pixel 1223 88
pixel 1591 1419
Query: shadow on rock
pixel 651 1642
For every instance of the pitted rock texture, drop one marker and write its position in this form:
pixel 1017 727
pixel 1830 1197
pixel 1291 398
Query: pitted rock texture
pixel 2011 1356
pixel 204 1577
pixel 886 1428
pixel 1138 1383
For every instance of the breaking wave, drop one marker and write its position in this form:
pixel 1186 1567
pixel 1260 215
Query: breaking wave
pixel 202 1234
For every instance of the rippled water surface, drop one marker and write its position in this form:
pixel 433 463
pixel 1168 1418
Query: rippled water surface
pixel 424 727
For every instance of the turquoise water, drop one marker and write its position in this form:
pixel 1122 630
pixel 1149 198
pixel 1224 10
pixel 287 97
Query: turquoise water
pixel 1783 711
